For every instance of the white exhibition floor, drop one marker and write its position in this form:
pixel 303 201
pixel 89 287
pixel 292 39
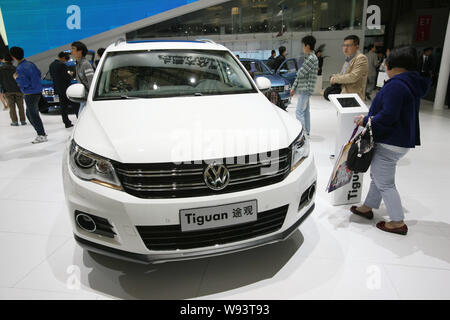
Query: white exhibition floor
pixel 332 256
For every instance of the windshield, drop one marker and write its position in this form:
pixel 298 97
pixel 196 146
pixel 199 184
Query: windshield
pixel 256 67
pixel 170 73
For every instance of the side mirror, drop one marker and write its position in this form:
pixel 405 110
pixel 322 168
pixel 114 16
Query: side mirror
pixel 263 83
pixel 76 93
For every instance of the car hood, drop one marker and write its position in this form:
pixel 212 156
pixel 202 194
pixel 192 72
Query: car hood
pixel 184 128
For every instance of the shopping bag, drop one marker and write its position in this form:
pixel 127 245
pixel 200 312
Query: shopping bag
pixel 341 174
pixel 381 79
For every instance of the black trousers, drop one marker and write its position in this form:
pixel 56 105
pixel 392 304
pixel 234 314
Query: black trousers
pixel 64 104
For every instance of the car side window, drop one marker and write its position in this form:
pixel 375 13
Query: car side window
pixel 48 77
pixel 291 66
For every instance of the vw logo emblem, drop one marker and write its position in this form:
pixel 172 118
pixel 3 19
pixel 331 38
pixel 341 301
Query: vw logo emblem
pixel 216 176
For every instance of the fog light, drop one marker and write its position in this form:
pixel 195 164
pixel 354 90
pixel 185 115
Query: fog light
pixel 85 222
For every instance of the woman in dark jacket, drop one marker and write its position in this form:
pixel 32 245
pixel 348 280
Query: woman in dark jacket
pixel 395 123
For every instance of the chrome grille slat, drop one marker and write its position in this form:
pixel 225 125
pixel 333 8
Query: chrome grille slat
pixel 150 189
pixel 257 178
pixel 135 174
pixel 257 165
pixel 162 172
pixel 189 186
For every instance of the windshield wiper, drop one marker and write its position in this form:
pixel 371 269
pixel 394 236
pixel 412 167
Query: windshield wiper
pixel 117 97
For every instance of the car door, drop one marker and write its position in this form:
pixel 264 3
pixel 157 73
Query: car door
pixel 288 70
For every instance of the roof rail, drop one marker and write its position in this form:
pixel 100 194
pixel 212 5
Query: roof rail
pixel 119 41
pixel 207 40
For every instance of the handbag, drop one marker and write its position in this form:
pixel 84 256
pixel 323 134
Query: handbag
pixel 334 89
pixel 361 151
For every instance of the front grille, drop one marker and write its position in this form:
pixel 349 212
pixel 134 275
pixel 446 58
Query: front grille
pixel 169 180
pixel 171 237
pixel 278 88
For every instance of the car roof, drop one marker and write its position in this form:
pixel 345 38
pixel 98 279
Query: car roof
pixel 165 45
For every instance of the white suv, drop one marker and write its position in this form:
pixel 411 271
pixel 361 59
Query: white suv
pixel 178 155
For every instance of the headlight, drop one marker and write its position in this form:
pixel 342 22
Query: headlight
pixel 300 150
pixel 48 92
pixel 287 87
pixel 91 167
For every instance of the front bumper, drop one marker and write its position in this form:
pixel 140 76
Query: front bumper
pixel 124 212
pixel 161 258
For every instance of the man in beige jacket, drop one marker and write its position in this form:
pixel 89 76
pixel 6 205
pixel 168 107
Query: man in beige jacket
pixel 353 76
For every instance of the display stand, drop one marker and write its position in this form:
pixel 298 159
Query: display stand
pixel 347 106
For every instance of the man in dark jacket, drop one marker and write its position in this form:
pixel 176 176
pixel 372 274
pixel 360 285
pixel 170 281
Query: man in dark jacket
pixel 272 55
pixel 276 63
pixel 61 81
pixel 426 63
pixel 100 53
pixel 28 78
pixel 11 91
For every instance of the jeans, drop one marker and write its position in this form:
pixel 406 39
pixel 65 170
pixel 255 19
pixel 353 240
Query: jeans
pixel 382 173
pixel 32 102
pixel 302 112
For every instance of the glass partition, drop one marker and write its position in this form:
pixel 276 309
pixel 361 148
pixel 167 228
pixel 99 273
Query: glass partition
pixel 259 16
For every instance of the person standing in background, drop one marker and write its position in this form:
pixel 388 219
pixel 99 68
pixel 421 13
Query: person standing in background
pixel 28 78
pixel 61 81
pixel 2 96
pixel 426 63
pixel 320 59
pixel 305 82
pixel 372 59
pixel 276 63
pixel 100 52
pixel 353 76
pixel 12 92
pixel 383 67
pixel 272 55
pixel 84 71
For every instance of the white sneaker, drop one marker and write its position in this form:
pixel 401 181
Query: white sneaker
pixel 39 139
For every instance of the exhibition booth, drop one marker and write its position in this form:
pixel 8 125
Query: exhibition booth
pixel 201 166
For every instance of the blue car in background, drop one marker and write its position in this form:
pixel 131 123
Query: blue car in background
pixel 50 101
pixel 279 83
pixel 288 69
